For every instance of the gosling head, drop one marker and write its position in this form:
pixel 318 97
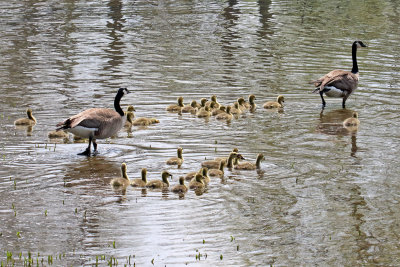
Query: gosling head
pixel 193 104
pixel 165 175
pixel 130 108
pixel 179 152
pixel 199 178
pixel 204 171
pixel 241 101
pixel 228 109
pixel 355 115
pixel 235 149
pixel 214 98
pixel 251 99
pixel 180 101
pixel 280 99
pixel 154 120
pixel 182 180
pixel 203 101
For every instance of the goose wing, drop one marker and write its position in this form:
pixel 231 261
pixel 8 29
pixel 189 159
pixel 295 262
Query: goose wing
pixel 90 118
pixel 344 80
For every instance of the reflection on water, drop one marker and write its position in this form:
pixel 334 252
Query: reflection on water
pixel 325 195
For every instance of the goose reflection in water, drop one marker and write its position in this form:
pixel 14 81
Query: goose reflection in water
pixel 331 123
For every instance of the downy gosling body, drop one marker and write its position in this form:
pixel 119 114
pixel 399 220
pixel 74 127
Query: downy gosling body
pixel 140 182
pixel 160 184
pixel 249 165
pixel 181 187
pixel 121 181
pixel 197 182
pixel 176 107
pixel 217 172
pixel 29 121
pixel 176 160
pixel 275 104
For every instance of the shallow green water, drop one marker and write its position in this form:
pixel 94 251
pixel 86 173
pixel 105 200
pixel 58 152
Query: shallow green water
pixel 323 196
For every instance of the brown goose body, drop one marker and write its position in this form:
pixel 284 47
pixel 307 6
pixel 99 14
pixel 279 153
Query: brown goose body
pixel 96 123
pixel 339 83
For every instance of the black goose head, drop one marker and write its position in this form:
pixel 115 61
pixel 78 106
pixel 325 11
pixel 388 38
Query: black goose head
pixel 359 44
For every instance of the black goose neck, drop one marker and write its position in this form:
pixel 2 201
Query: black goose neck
pixel 116 102
pixel 354 57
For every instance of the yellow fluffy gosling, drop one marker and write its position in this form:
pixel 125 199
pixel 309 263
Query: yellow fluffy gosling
pixel 121 181
pixel 145 121
pixel 197 182
pixel 30 121
pixel 176 160
pixel 140 182
pixel 218 172
pixel 352 122
pixel 225 116
pixel 176 107
pixel 275 104
pixel 181 187
pixel 160 184
pixel 249 165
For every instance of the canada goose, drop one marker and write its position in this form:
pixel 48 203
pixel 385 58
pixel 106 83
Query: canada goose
pixel 214 164
pixel 222 109
pixel 176 160
pixel 275 104
pixel 249 165
pixel 58 134
pixel 181 187
pixel 121 181
pixel 129 119
pixel 225 116
pixel 353 121
pixel 197 182
pixel 339 83
pixel 96 123
pixel 235 109
pixel 191 175
pixel 30 121
pixel 218 172
pixel 140 182
pixel 204 112
pixel 192 108
pixel 176 107
pixel 144 121
pixel 160 183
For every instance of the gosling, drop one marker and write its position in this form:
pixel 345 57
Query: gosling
pixel 181 187
pixel 121 181
pixel 225 116
pixel 30 121
pixel 145 121
pixel 140 182
pixel 176 160
pixel 160 184
pixel 249 165
pixel 275 104
pixel 217 172
pixel 197 182
pixel 176 107
pixel 352 122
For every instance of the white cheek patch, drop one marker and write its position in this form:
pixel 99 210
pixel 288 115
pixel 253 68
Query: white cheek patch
pixel 82 131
